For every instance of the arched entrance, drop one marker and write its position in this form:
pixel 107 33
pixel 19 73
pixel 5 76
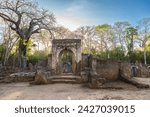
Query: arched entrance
pixel 66 61
pixel 66 56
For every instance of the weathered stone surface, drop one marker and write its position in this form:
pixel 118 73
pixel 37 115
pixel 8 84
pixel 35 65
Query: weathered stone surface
pixel 107 69
pixel 40 78
pixel 22 77
pixel 134 82
pixel 125 70
pixel 85 61
pixel 143 70
pixel 31 68
pixel 126 75
pixel 85 75
pixel 129 70
pixel 96 83
pixel 23 74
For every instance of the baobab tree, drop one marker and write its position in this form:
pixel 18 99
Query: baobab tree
pixel 131 34
pixel 144 34
pixel 25 18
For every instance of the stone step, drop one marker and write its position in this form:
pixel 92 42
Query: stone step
pixel 63 79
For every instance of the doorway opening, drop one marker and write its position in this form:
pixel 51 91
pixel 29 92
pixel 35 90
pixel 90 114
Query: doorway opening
pixel 66 61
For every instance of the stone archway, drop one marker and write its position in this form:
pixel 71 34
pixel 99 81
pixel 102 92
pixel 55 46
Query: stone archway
pixel 61 45
pixel 66 62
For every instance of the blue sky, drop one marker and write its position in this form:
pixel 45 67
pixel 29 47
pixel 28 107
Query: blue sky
pixel 75 13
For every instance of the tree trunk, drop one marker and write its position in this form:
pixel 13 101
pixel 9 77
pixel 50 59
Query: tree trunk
pixel 6 55
pixel 22 54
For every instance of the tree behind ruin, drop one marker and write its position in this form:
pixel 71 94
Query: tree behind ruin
pixel 25 18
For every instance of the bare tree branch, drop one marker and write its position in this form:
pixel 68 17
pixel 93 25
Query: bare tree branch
pixel 25 18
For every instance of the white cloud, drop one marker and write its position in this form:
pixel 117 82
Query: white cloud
pixel 74 15
pixel 74 9
pixel 72 22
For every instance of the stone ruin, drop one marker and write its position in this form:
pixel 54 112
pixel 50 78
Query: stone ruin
pixel 66 64
pixel 66 56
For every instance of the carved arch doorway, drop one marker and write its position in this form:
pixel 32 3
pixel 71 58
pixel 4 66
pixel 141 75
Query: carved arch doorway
pixel 73 47
pixel 67 62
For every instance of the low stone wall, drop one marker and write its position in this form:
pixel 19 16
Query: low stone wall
pixel 143 71
pixel 134 70
pixel 22 77
pixel 108 69
pixel 112 70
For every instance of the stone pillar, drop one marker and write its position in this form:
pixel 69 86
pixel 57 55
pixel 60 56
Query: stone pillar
pixel 78 57
pixel 54 61
pixel 94 63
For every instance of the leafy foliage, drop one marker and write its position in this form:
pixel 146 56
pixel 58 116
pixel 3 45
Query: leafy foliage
pixel 36 56
pixel 2 51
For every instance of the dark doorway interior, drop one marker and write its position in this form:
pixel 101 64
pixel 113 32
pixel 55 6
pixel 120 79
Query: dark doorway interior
pixel 66 61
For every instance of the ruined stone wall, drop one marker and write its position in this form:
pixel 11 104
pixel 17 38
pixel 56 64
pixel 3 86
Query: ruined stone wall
pixel 85 61
pixel 103 68
pixel 134 70
pixel 107 69
pixel 143 71
pixel 125 70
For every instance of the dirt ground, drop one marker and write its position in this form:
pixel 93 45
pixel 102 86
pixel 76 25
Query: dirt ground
pixel 24 91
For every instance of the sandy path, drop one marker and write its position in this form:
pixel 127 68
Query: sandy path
pixel 70 91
